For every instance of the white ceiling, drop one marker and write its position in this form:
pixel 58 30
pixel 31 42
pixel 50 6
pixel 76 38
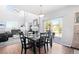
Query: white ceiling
pixel 36 9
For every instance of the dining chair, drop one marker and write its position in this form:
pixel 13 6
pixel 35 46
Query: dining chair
pixel 24 43
pixel 37 42
pixel 45 36
pixel 49 39
pixel 41 43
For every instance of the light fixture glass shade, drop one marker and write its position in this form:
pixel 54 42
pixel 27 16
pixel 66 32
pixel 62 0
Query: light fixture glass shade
pixel 42 15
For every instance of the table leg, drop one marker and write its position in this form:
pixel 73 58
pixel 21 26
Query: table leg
pixel 51 42
pixel 34 47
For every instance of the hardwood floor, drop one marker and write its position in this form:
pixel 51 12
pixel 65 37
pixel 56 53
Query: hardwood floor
pixel 56 49
pixel 60 49
pixel 11 49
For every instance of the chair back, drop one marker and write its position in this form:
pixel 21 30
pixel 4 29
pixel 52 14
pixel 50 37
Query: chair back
pixel 43 36
pixel 42 40
pixel 22 38
pixel 30 34
pixel 49 35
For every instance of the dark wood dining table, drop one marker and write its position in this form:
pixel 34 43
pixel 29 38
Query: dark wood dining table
pixel 34 40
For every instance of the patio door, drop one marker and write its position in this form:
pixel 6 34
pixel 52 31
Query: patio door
pixel 56 25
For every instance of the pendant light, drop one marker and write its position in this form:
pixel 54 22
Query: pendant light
pixel 41 11
pixel 41 18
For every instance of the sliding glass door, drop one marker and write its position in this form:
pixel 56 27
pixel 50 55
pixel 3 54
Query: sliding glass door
pixel 56 25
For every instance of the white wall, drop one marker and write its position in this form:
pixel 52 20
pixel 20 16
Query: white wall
pixel 12 19
pixel 7 17
pixel 29 17
pixel 68 14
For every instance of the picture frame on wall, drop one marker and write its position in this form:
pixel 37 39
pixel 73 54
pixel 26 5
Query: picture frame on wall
pixel 77 17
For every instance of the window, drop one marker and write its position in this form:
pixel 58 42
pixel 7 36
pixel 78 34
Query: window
pixel 47 25
pixel 12 25
pixel 55 24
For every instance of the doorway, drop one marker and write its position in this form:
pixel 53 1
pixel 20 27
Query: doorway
pixel 56 25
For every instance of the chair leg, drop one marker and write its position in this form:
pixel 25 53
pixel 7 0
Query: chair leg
pixel 44 48
pixel 51 42
pixel 21 50
pixel 39 50
pixel 34 48
pixel 25 51
pixel 39 47
pixel 47 45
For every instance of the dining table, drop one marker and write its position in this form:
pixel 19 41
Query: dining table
pixel 34 39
